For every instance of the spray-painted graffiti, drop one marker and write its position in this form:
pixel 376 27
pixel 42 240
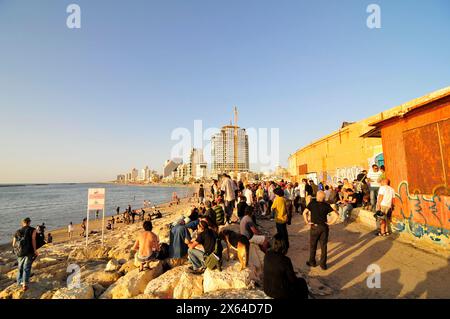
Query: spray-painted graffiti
pixel 422 215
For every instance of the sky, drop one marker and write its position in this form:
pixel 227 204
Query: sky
pixel 83 105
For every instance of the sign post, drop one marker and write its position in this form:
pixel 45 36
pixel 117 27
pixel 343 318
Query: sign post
pixel 96 201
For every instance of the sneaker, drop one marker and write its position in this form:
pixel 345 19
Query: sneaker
pixel 311 264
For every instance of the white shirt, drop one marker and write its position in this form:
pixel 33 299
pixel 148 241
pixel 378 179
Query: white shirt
pixel 388 195
pixel 228 188
pixel 374 178
pixel 249 195
pixel 302 190
pixel 70 228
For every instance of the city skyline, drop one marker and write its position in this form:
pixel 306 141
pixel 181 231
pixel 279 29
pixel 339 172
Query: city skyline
pixel 84 105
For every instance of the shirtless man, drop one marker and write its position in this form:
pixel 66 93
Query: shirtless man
pixel 147 246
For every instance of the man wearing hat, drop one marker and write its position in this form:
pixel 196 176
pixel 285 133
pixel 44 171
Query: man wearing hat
pixel 24 243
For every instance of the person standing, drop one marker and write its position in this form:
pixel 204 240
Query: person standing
pixel 316 215
pixel 289 196
pixel 385 204
pixel 201 194
pixel 248 193
pixel 96 214
pixel 309 189
pixel 70 230
pixel 374 178
pixel 117 210
pixel 24 243
pixel 229 190
pixel 281 215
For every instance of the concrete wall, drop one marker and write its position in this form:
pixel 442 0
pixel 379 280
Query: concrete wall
pixel 342 154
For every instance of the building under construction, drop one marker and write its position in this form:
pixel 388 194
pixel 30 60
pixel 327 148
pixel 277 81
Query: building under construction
pixel 229 150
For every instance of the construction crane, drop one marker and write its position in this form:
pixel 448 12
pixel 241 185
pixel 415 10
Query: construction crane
pixel 235 142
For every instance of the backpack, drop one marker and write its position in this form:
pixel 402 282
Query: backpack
pixel 212 261
pixel 23 246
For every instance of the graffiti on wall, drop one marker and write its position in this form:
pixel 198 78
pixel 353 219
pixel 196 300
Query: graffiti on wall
pixel 422 215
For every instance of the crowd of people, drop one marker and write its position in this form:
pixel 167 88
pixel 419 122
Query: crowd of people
pixel 200 235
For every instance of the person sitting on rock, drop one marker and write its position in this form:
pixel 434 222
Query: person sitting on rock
pixel 250 230
pixel 207 238
pixel 147 246
pixel 280 281
pixel 179 240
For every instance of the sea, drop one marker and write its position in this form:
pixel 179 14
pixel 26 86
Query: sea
pixel 57 205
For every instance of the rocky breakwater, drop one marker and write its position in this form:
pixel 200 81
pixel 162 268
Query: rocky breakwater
pixel 74 271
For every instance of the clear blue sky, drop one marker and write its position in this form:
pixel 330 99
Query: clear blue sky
pixel 87 104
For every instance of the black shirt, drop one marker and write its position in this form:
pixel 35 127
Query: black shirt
pixel 27 233
pixel 280 280
pixel 241 207
pixel 309 190
pixel 207 239
pixel 319 212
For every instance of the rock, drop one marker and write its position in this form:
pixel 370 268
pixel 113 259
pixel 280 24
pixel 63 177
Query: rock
pixel 48 294
pixel 133 283
pixel 188 286
pixel 164 234
pixel 145 296
pixel 91 252
pixel 231 277
pixel 164 286
pixel 84 292
pixel 121 251
pixel 45 262
pixel 104 278
pixel 127 267
pixel 112 265
pixel 98 290
pixel 316 287
pixel 6 268
pixel 35 291
pixel 235 294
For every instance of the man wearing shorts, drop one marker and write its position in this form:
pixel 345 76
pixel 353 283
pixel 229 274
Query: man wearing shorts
pixel 147 246
pixel 385 204
pixel 249 230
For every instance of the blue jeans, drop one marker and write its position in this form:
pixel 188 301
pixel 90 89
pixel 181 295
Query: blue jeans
pixel 229 206
pixel 344 211
pixel 24 270
pixel 373 197
pixel 196 257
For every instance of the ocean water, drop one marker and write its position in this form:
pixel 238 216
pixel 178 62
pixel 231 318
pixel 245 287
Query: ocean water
pixel 59 204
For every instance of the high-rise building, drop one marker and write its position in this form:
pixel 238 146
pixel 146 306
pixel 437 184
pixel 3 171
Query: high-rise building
pixel 134 174
pixel 223 151
pixel 196 160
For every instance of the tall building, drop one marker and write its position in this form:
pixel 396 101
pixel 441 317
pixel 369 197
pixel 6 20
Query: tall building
pixel 134 174
pixel 196 163
pixel 222 150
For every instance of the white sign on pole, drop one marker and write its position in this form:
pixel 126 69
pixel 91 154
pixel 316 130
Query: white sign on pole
pixel 96 201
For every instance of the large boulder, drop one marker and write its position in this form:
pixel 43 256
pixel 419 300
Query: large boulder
pixel 82 253
pixel 45 262
pixel 127 267
pixel 6 268
pixel 104 278
pixel 164 286
pixel 231 277
pixel 188 286
pixel 235 294
pixel 133 283
pixel 85 291
pixel 112 265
